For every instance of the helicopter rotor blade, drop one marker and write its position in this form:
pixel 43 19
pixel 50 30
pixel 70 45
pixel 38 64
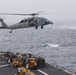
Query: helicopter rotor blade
pixel 14 14
pixel 37 13
pixel 40 12
pixel 47 13
pixel 32 14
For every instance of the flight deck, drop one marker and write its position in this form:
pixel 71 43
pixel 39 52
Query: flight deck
pixel 49 69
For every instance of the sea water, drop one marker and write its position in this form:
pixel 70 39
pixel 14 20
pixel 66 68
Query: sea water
pixel 56 43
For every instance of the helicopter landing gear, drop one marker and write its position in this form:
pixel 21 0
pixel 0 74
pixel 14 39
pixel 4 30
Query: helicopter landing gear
pixel 11 31
pixel 42 27
pixel 36 27
pixel 52 23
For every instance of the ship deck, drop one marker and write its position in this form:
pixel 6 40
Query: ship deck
pixel 47 70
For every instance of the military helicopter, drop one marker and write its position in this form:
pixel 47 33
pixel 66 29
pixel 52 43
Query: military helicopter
pixel 33 21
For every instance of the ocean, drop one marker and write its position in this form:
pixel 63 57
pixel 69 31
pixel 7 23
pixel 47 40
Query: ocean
pixel 56 43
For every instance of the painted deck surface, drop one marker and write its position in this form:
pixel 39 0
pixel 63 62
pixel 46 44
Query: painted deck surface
pixel 47 70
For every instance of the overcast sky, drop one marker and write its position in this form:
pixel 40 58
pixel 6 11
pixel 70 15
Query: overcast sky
pixel 64 9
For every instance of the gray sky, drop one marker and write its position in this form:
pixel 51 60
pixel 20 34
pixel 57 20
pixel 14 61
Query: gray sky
pixel 66 9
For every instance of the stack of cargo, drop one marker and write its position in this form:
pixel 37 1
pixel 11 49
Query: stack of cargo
pixel 40 62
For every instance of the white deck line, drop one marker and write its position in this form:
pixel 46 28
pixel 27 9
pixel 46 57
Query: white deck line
pixel 42 72
pixel 2 62
pixel 4 65
pixel 62 69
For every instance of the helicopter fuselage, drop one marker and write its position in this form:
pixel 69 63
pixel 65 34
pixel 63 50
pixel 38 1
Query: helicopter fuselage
pixel 26 23
pixel 31 22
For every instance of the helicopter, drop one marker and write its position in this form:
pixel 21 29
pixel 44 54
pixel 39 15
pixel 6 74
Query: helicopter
pixel 33 21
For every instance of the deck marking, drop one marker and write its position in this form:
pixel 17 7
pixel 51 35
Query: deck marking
pixel 42 72
pixel 62 69
pixel 4 65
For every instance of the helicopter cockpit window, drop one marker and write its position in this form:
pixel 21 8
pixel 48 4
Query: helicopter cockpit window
pixel 23 21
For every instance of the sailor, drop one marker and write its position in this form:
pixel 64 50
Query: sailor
pixel 9 61
pixel 24 62
pixel 18 70
pixel 27 66
pixel 27 61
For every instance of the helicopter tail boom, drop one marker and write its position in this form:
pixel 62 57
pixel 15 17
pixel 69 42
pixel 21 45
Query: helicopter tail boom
pixel 3 23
